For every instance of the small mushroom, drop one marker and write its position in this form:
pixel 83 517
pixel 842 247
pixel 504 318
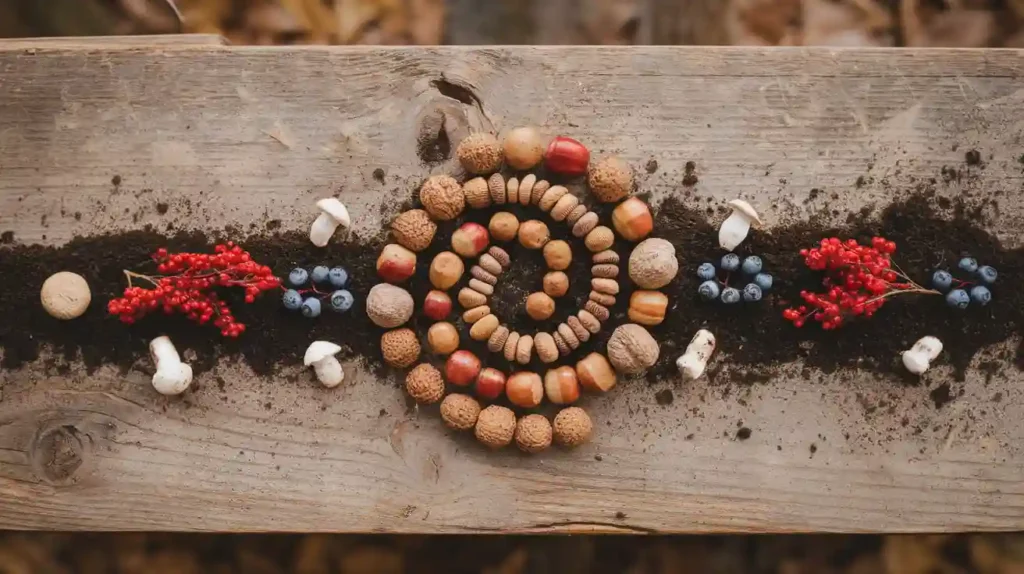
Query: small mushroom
pixel 172 376
pixel 332 214
pixel 735 227
pixel 920 356
pixel 691 363
pixel 320 356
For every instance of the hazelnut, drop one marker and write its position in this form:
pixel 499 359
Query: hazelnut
pixel 561 386
pixel 470 239
pixel 481 287
pixel 425 384
pixel 524 349
pixel 584 224
pixel 445 270
pixel 524 389
pixel 495 426
pixel 556 283
pixel 388 306
pixel 599 239
pixel 497 340
pixel 478 195
pixel 496 187
pixel 575 215
pixel 632 219
pixel 606 270
pixel 480 153
pixel 459 412
pixel 503 226
pixel 551 197
pixel 568 336
pixel 589 321
pixel 511 345
pixel 547 351
pixel 610 179
pixel 469 298
pixel 558 255
pixel 561 210
pixel 442 197
pixel 539 189
pixel 512 189
pixel 606 257
pixel 533 433
pixel 481 274
pixel 65 295
pixel 524 148
pixel 400 348
pixel 500 255
pixel 490 264
pixel 475 314
pixel 482 329
pixel 413 229
pixel 653 264
pixel 599 311
pixel 647 307
pixel 563 347
pixel 533 234
pixel 578 329
pixel 526 188
pixel 595 373
pixel 572 427
pixel 443 338
pixel 396 263
pixel 539 306
pixel 631 349
pixel 606 286
pixel 602 298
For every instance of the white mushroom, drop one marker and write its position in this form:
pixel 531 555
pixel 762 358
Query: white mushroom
pixel 65 295
pixel 691 363
pixel 332 214
pixel 735 227
pixel 172 376
pixel 320 356
pixel 920 356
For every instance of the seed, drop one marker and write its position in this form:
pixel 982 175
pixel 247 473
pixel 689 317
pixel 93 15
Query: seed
pixel 599 239
pixel 568 335
pixel 551 197
pixel 597 310
pixel 498 337
pixel 608 256
pixel 484 328
pixel 524 349
pixel 578 329
pixel 496 187
pixel 561 345
pixel 601 285
pixel 556 283
pixel 557 255
pixel 585 224
pixel 510 346
pixel 489 264
pixel 481 287
pixel 533 234
pixel 567 203
pixel 503 226
pixel 602 298
pixel 607 270
pixel 576 214
pixel 547 351
pixel 589 321
pixel 482 274
pixel 478 195
pixel 539 189
pixel 501 255
pixel 475 314
pixel 526 188
pixel 470 298
pixel 513 190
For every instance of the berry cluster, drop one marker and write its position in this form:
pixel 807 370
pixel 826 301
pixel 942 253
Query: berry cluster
pixel 858 281
pixel 305 296
pixel 976 290
pixel 187 284
pixel 713 288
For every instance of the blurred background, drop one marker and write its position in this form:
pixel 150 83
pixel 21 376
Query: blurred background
pixel 917 23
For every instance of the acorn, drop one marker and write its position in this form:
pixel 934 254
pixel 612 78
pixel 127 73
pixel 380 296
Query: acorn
pixel 647 307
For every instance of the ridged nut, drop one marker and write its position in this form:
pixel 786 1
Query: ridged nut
pixel 585 224
pixel 512 190
pixel 597 310
pixel 496 188
pixel 511 345
pixel 478 195
pixel 490 264
pixel 481 274
pixel 497 340
pixel 501 255
pixel 607 270
pixel 589 321
pixel 470 298
pixel 578 329
pixel 569 335
pixel 539 189
pixel 481 287
pixel 551 197
pixel 561 345
pixel 547 351
pixel 575 215
pixel 526 188
pixel 484 328
pixel 599 239
pixel 564 205
pixel 602 298
pixel 524 350
pixel 606 257
pixel 602 285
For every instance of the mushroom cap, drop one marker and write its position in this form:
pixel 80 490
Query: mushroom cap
pixel 745 208
pixel 318 351
pixel 335 209
pixel 65 295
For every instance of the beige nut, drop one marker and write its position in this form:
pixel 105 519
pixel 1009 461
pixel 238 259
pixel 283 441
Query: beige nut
pixel 575 215
pixel 490 264
pixel 606 257
pixel 501 255
pixel 556 283
pixel 459 412
pixel 653 263
pixel 475 314
pixel 484 328
pixel 400 348
pixel 482 274
pixel 557 255
pixel 572 427
pixel 511 345
pixel 602 298
pixel 497 340
pixel 482 287
pixel 470 298
pixel 551 197
pixel 606 270
pixel 480 153
pixel 606 286
pixel 414 229
pixel 442 197
pixel 561 345
pixel 578 329
pixel 443 338
pixel 425 384
pixel 568 335
pixel 503 226
pixel 533 234
pixel 589 321
pixel 495 426
pixel 496 187
pixel 478 195
pixel 526 188
pixel 599 239
pixel 65 295
pixel 597 310
pixel 533 433
pixel 524 349
pixel 585 224
pixel 561 210
pixel 547 351
pixel 523 147
pixel 539 189
pixel 512 189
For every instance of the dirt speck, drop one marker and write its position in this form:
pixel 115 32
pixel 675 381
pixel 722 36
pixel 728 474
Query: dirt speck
pixel 116 180
pixel 664 397
pixel 162 208
pixel 743 433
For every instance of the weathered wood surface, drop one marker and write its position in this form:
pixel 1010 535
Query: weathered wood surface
pixel 247 133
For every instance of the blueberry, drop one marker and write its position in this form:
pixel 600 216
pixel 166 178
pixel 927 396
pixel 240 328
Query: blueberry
pixel 292 300
pixel 341 301
pixel 764 281
pixel 730 295
pixel 981 295
pixel 338 277
pixel 958 298
pixel 706 271
pixel 298 277
pixel 968 264
pixel 311 307
pixel 752 265
pixel 708 290
pixel 730 262
pixel 751 293
pixel 987 275
pixel 320 274
pixel 942 280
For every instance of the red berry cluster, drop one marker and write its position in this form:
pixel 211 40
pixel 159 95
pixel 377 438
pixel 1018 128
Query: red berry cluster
pixel 186 285
pixel 858 280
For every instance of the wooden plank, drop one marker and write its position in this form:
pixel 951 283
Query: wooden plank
pixel 246 132
pixel 83 42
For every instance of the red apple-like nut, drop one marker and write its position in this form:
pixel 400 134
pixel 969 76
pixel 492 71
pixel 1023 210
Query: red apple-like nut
pixel 490 384
pixel 396 263
pixel 462 368
pixel 567 156
pixel 470 239
pixel 437 305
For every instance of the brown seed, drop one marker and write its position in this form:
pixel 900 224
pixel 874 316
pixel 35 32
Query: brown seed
pixel 526 188
pixel 443 338
pixel 400 348
pixel 442 197
pixel 459 412
pixel 597 310
pixel 482 274
pixel 648 307
pixel 498 338
pixel 599 239
pixel 568 335
pixel 513 190
pixel 425 384
pixel 469 298
pixel 608 256
pixel 478 196
pixel 510 346
pixel 501 255
pixel 653 263
pixel 610 179
pixel 523 147
pixel 607 270
pixel 602 285
pixel 413 229
pixel 480 153
pixel 547 351
pixel 533 433
pixel 539 189
pixel 556 283
pixel 496 425
pixel 575 215
pixel 566 204
pixel 524 349
pixel 572 427
pixel 563 347
pixel 602 298
pixel 589 321
pixel 484 328
pixel 578 329
pixel 503 226
pixel 475 314
pixel 585 224
pixel 558 255
pixel 481 287
pixel 533 234
pixel 445 270
pixel 631 349
pixel 496 187
pixel 539 306
pixel 490 264
pixel 551 197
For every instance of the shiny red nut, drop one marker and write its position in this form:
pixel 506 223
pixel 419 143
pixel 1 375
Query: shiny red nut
pixel 567 156
pixel 437 305
pixel 490 384
pixel 462 368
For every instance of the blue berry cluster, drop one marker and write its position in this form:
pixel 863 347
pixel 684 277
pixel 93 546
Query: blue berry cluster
pixel 975 290
pixel 305 293
pixel 750 267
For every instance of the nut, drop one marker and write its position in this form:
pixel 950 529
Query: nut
pixel 632 219
pixel 400 348
pixel 482 329
pixel 533 433
pixel 575 215
pixel 490 384
pixel 445 270
pixel 480 153
pixel 470 239
pixel 496 187
pixel 481 287
pixel 606 286
pixel 539 306
pixel 547 351
pixel 478 195
pixel 606 257
pixel 578 329
pixel 558 255
pixel 396 263
pixel 524 389
pixel 425 384
pixel 512 189
pixel 598 310
pixel 561 210
pixel 490 264
pixel 647 307
pixel 497 340
pixel 443 338
pixel 501 255
pixel 524 349
pixel 569 336
pixel 631 349
pixel 461 368
pixel 551 197
pixel 533 234
pixel 388 306
pixel 475 314
pixel 584 224
pixel 481 274
pixel 589 321
pixel 653 264
pixel 511 345
pixel 65 295
pixel 602 298
pixel 437 305
pixel 503 226
pixel 556 283
pixel 566 156
pixel 539 189
pixel 607 270
pixel 572 427
pixel 610 179
pixel 495 426
pixel 599 239
pixel 459 412
pixel 524 148
pixel 442 197
pixel 595 373
pixel 526 188
pixel 470 298
pixel 561 386
pixel 413 229
pixel 561 345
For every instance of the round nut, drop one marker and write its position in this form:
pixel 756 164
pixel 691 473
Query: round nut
pixel 585 224
pixel 533 433
pixel 556 283
pixel 511 345
pixel 503 226
pixel 606 270
pixel 497 340
pixel 610 179
pixel 475 314
pixel 599 239
pixel 539 306
pixel 589 321
pixel 445 270
pixel 425 384
pixel 480 153
pixel 572 427
pixel 495 426
pixel 648 307
pixel 602 298
pixel 575 215
pixel 547 351
pixel 66 295
pixel 482 287
pixel 524 389
pixel 459 412
pixel 414 229
pixel 539 189
pixel 606 286
pixel 563 347
pixel 526 188
pixel 524 349
pixel 496 187
pixel 388 306
pixel 561 210
pixel 478 195
pixel 561 385
pixel 524 148
pixel 631 349
pixel 551 197
pixel 569 336
pixel 653 263
pixel 470 298
pixel 400 348
pixel 595 373
pixel 490 264
pixel 484 328
pixel 533 234
pixel 557 255
pixel 606 257
pixel 442 197
pixel 443 338
pixel 597 310
pixel 512 189
pixel 632 219
pixel 578 329
pixel 482 274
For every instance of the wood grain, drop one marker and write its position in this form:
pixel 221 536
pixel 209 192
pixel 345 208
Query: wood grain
pixel 244 134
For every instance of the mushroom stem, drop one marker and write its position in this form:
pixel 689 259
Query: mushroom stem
pixel 733 231
pixel 322 229
pixel 692 363
pixel 920 356
pixel 172 376
pixel 329 372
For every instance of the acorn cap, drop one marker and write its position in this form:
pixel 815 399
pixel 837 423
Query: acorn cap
pixel 318 351
pixel 745 208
